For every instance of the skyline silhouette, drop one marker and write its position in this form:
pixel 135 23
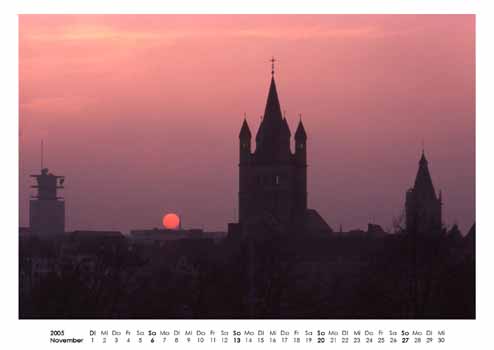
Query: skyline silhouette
pixel 141 129
pixel 127 151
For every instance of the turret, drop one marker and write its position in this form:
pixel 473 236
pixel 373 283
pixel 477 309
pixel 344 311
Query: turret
pixel 301 144
pixel 245 142
pixel 301 169
pixel 285 134
pixel 244 147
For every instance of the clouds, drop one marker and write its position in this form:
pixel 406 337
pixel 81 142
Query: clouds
pixel 117 28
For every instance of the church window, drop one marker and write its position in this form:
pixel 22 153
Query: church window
pixel 277 179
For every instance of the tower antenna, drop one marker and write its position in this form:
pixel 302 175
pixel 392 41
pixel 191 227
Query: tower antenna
pixel 42 154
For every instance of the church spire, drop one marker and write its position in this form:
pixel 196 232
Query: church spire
pixel 423 160
pixel 423 183
pixel 267 136
pixel 273 109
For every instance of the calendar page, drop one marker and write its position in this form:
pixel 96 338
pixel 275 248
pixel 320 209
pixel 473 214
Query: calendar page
pixel 209 174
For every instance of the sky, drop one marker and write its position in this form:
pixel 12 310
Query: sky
pixel 141 113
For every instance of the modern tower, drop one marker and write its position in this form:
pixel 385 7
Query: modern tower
pixel 46 209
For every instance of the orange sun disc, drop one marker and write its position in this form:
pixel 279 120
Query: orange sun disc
pixel 171 221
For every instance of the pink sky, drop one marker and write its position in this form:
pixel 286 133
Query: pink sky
pixel 142 113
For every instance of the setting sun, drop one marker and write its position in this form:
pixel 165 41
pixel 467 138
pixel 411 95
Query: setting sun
pixel 171 221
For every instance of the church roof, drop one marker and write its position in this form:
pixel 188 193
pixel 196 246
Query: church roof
pixel 300 133
pixel 315 223
pixel 270 123
pixel 273 109
pixel 273 128
pixel 244 130
pixel 423 183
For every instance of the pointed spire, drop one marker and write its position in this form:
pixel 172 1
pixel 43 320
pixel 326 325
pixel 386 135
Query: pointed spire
pixel 273 109
pixel 272 119
pixel 423 160
pixel 300 134
pixel 273 135
pixel 245 131
pixel 423 182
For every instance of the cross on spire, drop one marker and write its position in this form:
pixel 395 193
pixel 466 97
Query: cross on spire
pixel 272 60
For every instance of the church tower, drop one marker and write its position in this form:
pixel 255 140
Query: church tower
pixel 245 159
pixel 272 179
pixel 422 206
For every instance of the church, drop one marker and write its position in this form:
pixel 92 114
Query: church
pixel 272 178
pixel 422 205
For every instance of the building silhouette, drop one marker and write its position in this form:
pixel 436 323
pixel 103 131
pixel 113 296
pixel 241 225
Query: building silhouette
pixel 422 205
pixel 273 179
pixel 302 271
pixel 46 209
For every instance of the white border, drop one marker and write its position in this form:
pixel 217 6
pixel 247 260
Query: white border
pixel 249 6
pixel 35 333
